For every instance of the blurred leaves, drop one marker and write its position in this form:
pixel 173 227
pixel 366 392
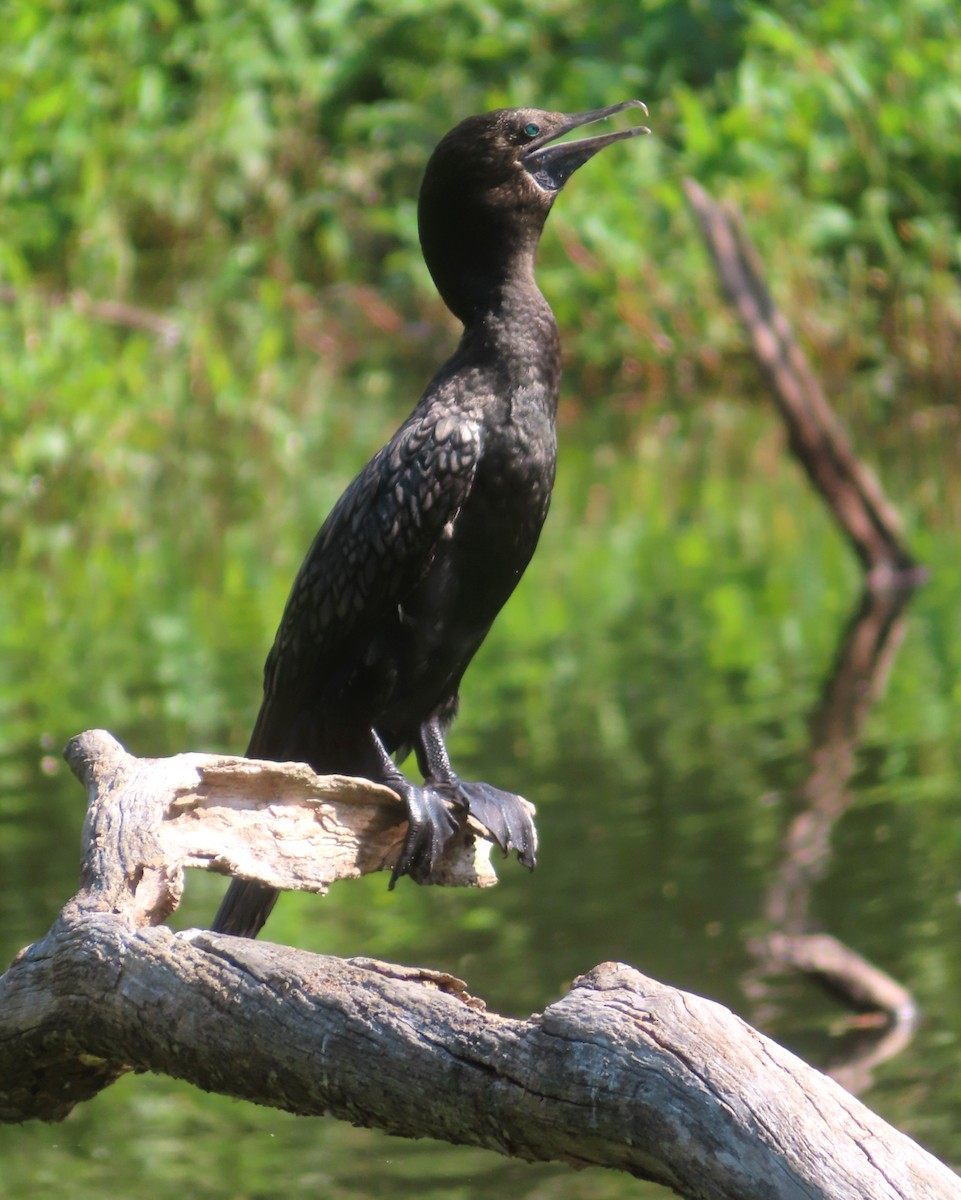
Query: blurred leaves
pixel 181 155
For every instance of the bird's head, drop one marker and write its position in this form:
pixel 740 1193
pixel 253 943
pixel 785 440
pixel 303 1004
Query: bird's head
pixel 491 182
pixel 512 157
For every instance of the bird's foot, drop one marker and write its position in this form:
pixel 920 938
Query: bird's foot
pixel 430 826
pixel 506 817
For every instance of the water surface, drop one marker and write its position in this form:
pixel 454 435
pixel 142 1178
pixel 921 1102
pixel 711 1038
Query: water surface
pixel 653 686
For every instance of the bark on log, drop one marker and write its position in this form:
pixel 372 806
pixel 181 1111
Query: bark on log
pixel 622 1072
pixel 816 437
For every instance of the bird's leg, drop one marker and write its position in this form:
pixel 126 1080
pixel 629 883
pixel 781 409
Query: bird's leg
pixel 430 824
pixel 505 816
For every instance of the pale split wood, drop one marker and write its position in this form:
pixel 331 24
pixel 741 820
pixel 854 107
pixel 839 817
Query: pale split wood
pixel 279 823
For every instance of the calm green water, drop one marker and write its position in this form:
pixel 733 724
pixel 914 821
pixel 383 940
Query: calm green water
pixel 650 687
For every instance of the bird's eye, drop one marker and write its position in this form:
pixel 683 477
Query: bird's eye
pixel 532 130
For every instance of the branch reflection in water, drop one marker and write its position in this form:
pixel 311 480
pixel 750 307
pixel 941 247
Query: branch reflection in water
pixel 887 1012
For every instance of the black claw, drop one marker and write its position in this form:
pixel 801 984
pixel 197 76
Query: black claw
pixel 430 828
pixel 505 817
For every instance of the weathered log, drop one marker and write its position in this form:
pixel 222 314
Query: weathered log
pixel 815 435
pixel 623 1071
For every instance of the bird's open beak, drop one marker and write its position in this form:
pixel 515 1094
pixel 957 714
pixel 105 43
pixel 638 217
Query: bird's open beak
pixel 551 163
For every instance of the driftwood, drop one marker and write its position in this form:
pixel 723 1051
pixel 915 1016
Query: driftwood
pixel 622 1072
pixel 279 823
pixel 816 437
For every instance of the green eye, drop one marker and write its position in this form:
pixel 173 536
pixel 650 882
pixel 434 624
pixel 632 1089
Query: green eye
pixel 532 130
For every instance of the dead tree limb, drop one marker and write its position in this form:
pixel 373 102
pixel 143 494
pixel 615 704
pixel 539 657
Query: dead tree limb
pixel 622 1072
pixel 816 437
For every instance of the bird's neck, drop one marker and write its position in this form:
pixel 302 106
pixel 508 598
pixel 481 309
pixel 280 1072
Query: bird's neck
pixel 487 280
pixel 480 259
pixel 515 325
pixel 507 367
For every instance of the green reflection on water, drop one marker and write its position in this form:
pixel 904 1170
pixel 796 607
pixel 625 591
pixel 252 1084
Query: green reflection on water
pixel 649 687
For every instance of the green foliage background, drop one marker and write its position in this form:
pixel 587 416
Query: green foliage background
pixel 248 174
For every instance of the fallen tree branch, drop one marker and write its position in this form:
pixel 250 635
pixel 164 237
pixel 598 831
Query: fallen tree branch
pixel 622 1072
pixel 816 437
pixel 860 984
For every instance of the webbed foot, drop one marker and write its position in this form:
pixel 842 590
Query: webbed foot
pixel 506 817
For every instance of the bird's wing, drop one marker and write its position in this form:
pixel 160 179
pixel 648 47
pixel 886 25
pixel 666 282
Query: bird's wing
pixel 376 544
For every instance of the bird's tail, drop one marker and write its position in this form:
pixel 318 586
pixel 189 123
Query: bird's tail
pixel 279 735
pixel 245 908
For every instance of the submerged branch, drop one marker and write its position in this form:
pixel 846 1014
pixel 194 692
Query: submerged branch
pixel 857 679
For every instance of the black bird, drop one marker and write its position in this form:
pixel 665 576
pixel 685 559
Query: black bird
pixel 408 572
